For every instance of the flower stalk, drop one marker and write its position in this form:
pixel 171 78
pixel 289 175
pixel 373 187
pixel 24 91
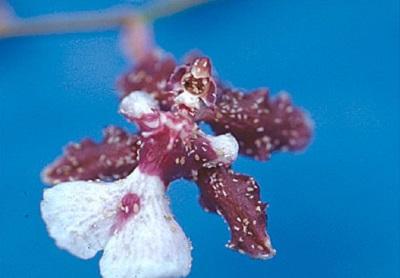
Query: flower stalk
pixel 89 21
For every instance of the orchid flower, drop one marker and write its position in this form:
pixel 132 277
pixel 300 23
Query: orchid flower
pixel 111 195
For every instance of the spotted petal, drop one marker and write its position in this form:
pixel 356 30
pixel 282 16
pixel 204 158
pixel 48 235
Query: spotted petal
pixel 150 75
pixel 115 157
pixel 237 198
pixel 261 124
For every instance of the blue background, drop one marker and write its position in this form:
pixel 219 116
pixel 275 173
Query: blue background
pixel 334 210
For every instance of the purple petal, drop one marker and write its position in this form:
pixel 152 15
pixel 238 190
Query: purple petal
pixel 237 198
pixel 171 155
pixel 261 124
pixel 151 75
pixel 113 158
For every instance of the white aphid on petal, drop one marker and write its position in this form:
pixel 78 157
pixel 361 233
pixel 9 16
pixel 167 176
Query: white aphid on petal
pixel 140 239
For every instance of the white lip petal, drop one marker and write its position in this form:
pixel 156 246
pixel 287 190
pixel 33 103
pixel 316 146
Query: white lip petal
pixel 79 216
pixel 151 244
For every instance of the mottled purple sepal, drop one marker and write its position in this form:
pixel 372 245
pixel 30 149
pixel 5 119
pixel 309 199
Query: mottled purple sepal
pixel 261 124
pixel 113 158
pixel 237 198
pixel 150 75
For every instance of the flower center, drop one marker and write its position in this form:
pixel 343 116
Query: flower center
pixel 197 80
pixel 195 86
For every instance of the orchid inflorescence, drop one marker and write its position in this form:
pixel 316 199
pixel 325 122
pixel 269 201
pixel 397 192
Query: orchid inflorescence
pixel 111 195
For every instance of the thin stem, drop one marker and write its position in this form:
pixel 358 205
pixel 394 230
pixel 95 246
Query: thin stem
pixel 91 21
pixel 167 8
pixel 62 23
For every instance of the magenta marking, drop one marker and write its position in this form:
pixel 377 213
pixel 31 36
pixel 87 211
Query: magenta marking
pixel 129 206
